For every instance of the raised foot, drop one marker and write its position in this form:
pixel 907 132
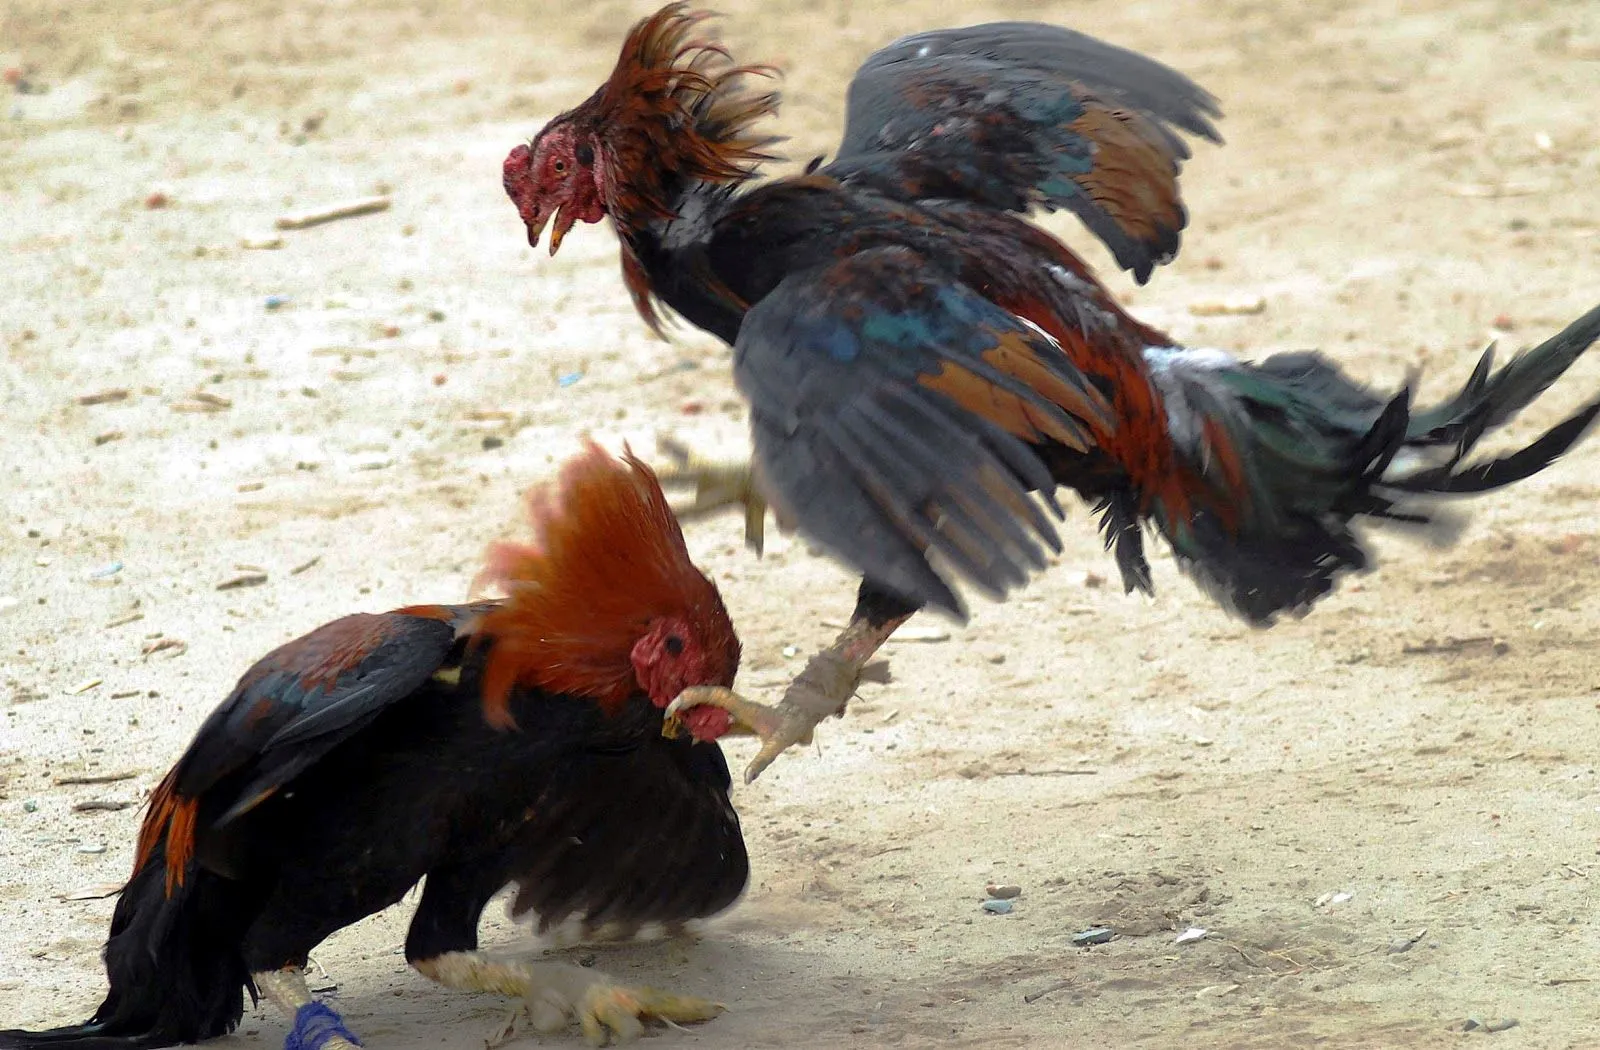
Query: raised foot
pixel 822 689
pixel 607 1013
pixel 718 483
pixel 779 728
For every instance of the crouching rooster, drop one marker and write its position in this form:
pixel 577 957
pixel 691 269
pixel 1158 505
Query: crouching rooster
pixel 507 743
pixel 920 360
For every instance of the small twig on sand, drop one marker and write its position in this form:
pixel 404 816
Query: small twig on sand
pixel 346 210
pixel 1033 997
pixel 94 892
pixel 1451 645
pixel 1495 191
pixel 100 805
pixel 103 397
pixel 244 579
pixel 96 778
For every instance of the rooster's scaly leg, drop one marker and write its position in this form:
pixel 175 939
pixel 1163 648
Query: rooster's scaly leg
pixel 823 688
pixel 316 1025
pixel 718 483
pixel 553 994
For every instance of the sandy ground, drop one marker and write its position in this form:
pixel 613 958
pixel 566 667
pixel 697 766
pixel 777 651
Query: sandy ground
pixel 1396 185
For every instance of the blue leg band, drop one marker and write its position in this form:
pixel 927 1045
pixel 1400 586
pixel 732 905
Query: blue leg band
pixel 314 1025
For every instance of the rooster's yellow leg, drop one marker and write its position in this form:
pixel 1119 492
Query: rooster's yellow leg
pixel 823 688
pixel 315 1023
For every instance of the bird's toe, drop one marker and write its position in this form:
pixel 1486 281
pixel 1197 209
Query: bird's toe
pixel 614 1013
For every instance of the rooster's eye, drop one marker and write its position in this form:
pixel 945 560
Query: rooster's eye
pixel 560 167
pixel 674 645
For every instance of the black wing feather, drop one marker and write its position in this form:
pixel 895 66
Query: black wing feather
pixel 1017 114
pixel 632 835
pixel 306 697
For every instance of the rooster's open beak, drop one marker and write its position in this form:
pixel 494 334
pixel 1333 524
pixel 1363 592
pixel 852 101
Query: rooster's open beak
pixel 558 232
pixel 535 226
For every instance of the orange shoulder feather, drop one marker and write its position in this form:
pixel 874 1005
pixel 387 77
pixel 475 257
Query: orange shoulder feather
pixel 170 821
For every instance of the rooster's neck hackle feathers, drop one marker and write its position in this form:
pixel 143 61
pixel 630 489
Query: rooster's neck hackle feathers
pixel 676 112
pixel 608 558
pixel 674 117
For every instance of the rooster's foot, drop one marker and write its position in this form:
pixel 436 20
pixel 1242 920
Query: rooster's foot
pixel 822 689
pixel 718 483
pixel 555 994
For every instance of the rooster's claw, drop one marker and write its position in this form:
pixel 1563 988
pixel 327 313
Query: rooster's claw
pixel 717 484
pixel 822 689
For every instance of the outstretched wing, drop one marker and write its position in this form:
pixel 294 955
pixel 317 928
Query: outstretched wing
pixel 1015 115
pixel 306 697
pixel 891 407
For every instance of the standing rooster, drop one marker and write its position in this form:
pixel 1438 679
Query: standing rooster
pixel 919 359
pixel 504 743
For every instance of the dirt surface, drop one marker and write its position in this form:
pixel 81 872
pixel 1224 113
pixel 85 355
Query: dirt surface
pixel 1424 746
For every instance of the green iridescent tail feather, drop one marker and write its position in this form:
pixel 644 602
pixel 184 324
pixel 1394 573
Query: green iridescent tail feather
pixel 1308 451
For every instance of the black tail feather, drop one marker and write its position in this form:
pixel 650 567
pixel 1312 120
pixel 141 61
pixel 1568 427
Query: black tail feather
pixel 1504 470
pixel 173 964
pixel 79 1037
pixel 1317 452
pixel 1488 401
pixel 1124 537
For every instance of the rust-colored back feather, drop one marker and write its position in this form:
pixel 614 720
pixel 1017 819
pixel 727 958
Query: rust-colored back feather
pixel 608 557
pixel 170 817
pixel 1133 178
pixel 1014 356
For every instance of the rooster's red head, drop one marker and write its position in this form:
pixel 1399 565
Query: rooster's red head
pixel 605 602
pixel 556 175
pixel 672 112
